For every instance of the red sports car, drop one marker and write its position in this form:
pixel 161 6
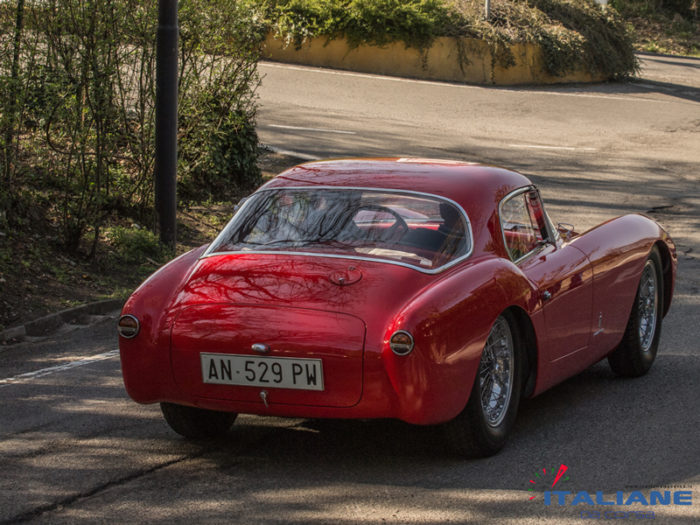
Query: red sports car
pixel 430 291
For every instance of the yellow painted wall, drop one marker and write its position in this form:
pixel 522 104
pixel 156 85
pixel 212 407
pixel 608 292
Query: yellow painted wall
pixel 441 62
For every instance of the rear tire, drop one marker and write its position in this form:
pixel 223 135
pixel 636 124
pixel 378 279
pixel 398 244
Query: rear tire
pixel 482 428
pixel 197 423
pixel 637 351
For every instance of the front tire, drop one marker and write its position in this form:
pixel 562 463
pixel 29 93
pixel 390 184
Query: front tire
pixel 637 351
pixel 197 423
pixel 482 428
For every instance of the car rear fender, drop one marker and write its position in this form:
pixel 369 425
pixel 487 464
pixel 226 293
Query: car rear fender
pixel 450 322
pixel 146 378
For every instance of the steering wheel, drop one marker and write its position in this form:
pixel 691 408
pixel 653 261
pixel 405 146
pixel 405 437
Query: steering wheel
pixel 391 234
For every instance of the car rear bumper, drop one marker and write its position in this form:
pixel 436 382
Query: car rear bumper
pixel 413 389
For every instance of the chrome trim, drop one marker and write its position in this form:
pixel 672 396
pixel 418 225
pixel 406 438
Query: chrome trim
pixel 260 348
pixel 552 233
pixel 568 227
pixel 600 325
pixel 208 252
pixel 349 257
pixel 549 240
pixel 228 226
pixel 409 350
pixel 136 332
pixel 263 396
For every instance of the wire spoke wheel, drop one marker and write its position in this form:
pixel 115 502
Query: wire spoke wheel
pixel 637 350
pixel 482 428
pixel 647 305
pixel 496 373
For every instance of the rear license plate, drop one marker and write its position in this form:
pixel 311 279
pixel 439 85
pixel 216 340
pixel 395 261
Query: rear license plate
pixel 276 372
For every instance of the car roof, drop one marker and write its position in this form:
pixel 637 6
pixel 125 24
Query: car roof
pixel 464 182
pixel 477 188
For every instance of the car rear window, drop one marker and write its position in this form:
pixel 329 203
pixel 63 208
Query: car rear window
pixel 413 229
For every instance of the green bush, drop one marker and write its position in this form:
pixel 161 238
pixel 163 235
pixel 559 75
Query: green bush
pixel 596 38
pixel 218 147
pixel 77 103
pixel 573 34
pixel 224 163
pixel 415 22
pixel 136 245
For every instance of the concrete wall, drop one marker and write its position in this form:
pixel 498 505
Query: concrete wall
pixel 443 61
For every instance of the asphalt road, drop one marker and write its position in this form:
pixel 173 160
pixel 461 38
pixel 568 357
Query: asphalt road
pixel 74 448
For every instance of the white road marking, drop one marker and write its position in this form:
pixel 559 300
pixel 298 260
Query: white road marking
pixel 457 85
pixel 561 148
pixel 322 130
pixel 27 377
pixel 304 156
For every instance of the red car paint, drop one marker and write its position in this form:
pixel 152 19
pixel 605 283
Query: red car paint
pixel 572 298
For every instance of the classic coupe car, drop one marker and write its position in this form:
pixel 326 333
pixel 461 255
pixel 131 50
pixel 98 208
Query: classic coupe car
pixel 433 292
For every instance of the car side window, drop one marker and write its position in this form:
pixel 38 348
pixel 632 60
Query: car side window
pixel 523 231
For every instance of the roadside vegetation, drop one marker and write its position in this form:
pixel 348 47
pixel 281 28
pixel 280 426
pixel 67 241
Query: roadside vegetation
pixel 663 26
pixel 77 97
pixel 573 33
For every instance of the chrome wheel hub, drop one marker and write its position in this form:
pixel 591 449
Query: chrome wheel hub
pixel 647 306
pixel 496 373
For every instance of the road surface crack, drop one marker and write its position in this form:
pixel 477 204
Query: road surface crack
pixel 70 500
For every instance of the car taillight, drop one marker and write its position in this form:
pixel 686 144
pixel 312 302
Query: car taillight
pixel 401 342
pixel 128 326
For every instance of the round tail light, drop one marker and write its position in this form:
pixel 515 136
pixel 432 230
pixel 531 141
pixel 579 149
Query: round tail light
pixel 401 342
pixel 128 326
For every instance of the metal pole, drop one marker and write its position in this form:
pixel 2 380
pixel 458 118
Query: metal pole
pixel 166 120
pixel 487 10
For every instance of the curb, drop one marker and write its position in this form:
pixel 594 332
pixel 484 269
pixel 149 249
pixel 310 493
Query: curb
pixel 450 59
pixel 52 322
